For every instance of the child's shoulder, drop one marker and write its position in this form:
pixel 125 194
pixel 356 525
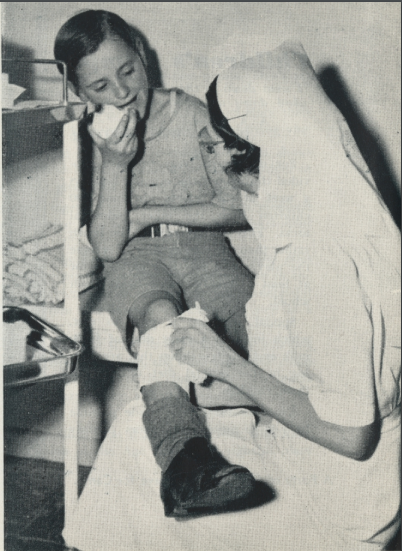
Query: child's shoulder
pixel 194 112
pixel 189 101
pixel 170 98
pixel 172 107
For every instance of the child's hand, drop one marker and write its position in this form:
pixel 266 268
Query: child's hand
pixel 120 148
pixel 196 344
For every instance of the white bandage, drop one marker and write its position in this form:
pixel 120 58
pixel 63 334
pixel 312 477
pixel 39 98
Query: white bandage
pixel 156 361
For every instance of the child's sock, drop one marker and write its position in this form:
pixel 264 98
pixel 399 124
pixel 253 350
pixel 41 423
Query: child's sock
pixel 169 424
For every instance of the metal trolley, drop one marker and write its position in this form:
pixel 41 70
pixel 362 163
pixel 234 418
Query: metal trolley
pixel 50 353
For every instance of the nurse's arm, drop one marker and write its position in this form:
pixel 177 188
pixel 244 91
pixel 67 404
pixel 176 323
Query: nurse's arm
pixel 293 409
pixel 194 343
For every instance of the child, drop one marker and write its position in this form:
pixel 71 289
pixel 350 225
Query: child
pixel 152 174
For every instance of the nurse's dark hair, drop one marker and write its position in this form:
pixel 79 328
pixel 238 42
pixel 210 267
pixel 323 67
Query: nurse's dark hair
pixel 249 158
pixel 84 33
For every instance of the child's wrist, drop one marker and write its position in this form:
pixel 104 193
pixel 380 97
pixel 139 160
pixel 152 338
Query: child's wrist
pixel 115 166
pixel 114 162
pixel 150 213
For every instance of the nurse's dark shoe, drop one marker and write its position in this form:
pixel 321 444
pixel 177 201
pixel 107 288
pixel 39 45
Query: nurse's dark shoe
pixel 199 481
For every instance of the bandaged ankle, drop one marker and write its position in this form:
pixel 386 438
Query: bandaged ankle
pixel 157 363
pixel 169 423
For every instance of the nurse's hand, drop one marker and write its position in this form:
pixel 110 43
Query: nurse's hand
pixel 196 344
pixel 120 148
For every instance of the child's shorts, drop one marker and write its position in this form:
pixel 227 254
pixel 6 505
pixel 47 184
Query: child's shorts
pixel 190 267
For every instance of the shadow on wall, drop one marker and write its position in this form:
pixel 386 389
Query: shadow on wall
pixel 153 69
pixel 20 145
pixel 369 143
pixel 21 74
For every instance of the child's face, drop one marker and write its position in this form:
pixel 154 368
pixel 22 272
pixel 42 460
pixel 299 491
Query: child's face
pixel 114 75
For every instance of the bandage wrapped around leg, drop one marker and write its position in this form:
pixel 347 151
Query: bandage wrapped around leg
pixel 156 361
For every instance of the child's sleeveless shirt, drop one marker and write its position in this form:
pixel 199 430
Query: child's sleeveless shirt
pixel 176 169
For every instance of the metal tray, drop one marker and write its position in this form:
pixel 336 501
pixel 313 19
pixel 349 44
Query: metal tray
pixel 33 350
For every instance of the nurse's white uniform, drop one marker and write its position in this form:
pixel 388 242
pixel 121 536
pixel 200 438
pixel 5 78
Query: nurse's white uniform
pixel 324 318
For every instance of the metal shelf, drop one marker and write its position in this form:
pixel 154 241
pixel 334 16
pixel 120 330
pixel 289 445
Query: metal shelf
pixel 64 115
pixel 16 119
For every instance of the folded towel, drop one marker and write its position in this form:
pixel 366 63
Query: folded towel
pixel 33 272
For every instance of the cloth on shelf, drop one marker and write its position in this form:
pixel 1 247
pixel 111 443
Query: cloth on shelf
pixel 33 272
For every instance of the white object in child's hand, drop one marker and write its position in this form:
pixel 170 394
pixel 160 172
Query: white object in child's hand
pixel 106 121
pixel 156 361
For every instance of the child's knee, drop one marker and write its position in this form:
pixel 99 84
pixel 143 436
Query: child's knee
pixel 153 309
pixel 159 311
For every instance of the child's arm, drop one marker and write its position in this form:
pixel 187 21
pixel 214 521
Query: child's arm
pixel 204 215
pixel 108 228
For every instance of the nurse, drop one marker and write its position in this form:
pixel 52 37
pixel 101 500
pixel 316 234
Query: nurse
pixel 323 322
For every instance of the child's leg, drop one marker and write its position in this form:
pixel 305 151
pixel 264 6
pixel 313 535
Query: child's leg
pixel 141 291
pixel 170 419
pixel 195 479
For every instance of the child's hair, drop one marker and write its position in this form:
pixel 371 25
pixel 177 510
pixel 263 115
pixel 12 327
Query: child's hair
pixel 84 33
pixel 249 159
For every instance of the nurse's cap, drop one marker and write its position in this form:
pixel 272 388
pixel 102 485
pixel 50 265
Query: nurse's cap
pixel 313 180
pixel 262 96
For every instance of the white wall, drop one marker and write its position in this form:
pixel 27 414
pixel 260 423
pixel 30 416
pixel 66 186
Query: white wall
pixel 194 40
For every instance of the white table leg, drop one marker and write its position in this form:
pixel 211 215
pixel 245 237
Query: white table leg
pixel 71 311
